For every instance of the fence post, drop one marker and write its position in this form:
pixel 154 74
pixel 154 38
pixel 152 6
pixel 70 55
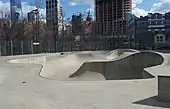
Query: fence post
pixel 22 48
pixel 96 45
pixel 48 47
pixel 62 46
pixel 0 50
pixel 11 47
pixel 56 47
pixel 32 49
pixel 40 50
pixel 70 45
pixel 83 45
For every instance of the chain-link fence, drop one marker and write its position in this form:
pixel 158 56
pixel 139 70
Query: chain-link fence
pixel 8 48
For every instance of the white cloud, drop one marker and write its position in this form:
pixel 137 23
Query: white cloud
pixel 136 10
pixel 139 12
pixel 161 6
pixel 136 1
pixel 5 8
pixel 73 3
pixel 90 2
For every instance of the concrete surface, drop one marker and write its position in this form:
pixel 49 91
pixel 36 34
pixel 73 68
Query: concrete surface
pixel 119 79
pixel 164 88
pixel 130 67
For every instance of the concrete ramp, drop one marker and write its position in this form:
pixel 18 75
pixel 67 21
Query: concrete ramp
pixel 119 52
pixel 130 67
pixel 62 68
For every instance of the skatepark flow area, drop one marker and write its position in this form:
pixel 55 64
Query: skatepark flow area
pixel 117 79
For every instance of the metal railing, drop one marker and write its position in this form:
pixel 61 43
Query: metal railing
pixel 8 48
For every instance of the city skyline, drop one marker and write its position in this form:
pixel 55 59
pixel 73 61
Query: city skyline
pixel 140 7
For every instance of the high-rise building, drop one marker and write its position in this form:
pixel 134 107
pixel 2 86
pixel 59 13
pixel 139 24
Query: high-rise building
pixel 16 10
pixel 77 25
pixel 30 16
pixel 53 15
pixel 111 16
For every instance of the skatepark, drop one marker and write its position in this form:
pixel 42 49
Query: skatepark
pixel 123 78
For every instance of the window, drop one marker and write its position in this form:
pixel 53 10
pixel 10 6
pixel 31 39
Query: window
pixel 157 38
pixel 153 22
pixel 49 6
pixel 161 38
pixel 55 4
pixel 46 2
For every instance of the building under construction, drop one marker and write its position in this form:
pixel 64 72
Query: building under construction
pixel 111 16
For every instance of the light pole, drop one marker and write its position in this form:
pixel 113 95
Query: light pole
pixel 37 26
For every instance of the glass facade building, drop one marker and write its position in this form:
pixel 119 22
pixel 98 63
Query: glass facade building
pixel 15 9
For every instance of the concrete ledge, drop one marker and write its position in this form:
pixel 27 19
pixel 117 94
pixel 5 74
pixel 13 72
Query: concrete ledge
pixel 164 88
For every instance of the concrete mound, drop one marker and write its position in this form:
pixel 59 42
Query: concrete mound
pixel 62 68
pixel 130 67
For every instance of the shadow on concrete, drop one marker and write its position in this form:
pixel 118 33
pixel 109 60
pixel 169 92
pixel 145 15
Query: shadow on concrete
pixel 153 101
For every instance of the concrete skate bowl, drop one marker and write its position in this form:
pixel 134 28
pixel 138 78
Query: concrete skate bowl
pixel 94 65
pixel 87 54
pixel 62 68
pixel 130 67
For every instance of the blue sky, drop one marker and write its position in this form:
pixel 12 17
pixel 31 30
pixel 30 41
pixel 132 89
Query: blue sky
pixel 146 4
pixel 69 9
pixel 140 7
